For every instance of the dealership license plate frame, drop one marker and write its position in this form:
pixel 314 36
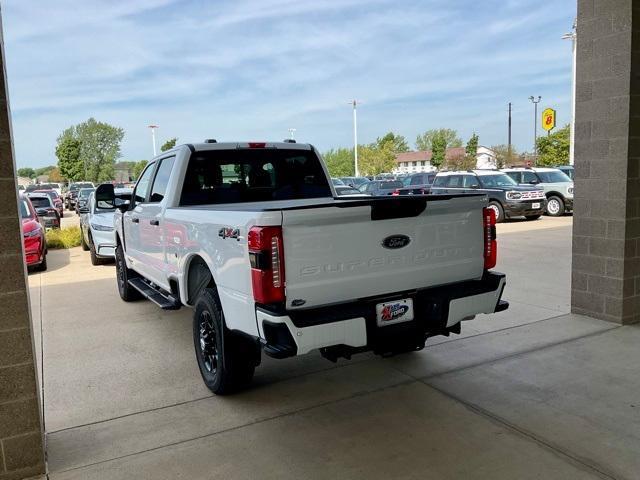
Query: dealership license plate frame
pixel 406 316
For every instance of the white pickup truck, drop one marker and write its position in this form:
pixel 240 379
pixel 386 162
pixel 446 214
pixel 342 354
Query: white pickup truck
pixel 252 237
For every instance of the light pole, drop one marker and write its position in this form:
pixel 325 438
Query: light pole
pixel 574 40
pixel 535 124
pixel 153 137
pixel 355 136
pixel 291 133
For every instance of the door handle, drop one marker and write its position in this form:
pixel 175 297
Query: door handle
pixel 154 222
pixel 135 220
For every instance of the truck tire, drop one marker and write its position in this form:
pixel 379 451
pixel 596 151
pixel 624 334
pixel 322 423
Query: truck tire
pixel 226 360
pixel 123 274
pixel 555 206
pixel 496 207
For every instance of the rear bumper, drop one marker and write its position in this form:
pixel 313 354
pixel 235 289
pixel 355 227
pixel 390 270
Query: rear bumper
pixel 437 311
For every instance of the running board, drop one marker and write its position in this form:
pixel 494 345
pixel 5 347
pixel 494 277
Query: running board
pixel 164 300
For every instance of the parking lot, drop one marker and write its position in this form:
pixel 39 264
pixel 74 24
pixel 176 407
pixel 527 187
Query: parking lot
pixel 124 398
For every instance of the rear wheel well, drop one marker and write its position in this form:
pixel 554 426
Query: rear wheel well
pixel 198 278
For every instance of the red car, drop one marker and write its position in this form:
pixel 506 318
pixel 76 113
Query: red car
pixel 35 244
pixel 57 200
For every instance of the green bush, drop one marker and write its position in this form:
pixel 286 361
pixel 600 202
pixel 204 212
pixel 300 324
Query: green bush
pixel 63 237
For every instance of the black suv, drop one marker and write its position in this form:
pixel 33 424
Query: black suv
pixel 506 197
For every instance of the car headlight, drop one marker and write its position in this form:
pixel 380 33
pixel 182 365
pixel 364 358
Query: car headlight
pixel 514 195
pixel 32 233
pixel 101 228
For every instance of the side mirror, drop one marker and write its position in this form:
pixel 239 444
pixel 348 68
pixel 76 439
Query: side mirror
pixel 105 194
pixel 476 186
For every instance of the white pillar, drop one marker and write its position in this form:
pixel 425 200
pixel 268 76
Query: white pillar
pixel 572 134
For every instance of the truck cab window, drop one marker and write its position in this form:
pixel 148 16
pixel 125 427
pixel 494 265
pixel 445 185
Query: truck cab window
pixel 253 175
pixel 162 180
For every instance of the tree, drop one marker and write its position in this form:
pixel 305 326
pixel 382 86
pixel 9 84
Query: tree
pixel 169 144
pixel 340 162
pixel 394 143
pixel 460 161
pixel 450 137
pixel 438 151
pixel 138 168
pixel 554 149
pixel 373 160
pixel 504 158
pixel 471 150
pixel 55 176
pixel 26 172
pixel 99 148
pixel 44 170
pixel 68 153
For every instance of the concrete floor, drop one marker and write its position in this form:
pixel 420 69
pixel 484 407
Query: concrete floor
pixel 528 393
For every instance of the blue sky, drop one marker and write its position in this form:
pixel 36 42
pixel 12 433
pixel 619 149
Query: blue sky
pixel 251 69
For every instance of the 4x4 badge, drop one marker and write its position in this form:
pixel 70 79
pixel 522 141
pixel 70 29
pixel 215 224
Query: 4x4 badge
pixel 396 241
pixel 228 232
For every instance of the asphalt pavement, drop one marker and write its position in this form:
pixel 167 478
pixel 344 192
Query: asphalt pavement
pixel 519 394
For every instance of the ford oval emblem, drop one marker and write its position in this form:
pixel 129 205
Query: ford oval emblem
pixel 396 241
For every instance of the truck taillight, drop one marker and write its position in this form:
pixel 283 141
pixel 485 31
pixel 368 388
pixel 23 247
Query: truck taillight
pixel 395 193
pixel 490 242
pixel 266 254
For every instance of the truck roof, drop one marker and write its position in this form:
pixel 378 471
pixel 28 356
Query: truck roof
pixel 205 146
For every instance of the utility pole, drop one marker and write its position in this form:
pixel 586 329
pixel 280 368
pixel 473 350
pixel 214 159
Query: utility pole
pixel 574 40
pixel 355 136
pixel 153 138
pixel 535 124
pixel 509 136
pixel 291 133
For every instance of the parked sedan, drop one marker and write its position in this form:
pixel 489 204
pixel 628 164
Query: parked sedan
pixel 355 182
pixel 45 209
pixel 33 238
pixel 381 187
pixel 96 225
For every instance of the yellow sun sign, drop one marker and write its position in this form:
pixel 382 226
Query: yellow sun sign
pixel 548 119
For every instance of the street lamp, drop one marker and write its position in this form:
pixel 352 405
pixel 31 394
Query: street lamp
pixel 291 133
pixel 535 124
pixel 355 136
pixel 574 39
pixel 153 137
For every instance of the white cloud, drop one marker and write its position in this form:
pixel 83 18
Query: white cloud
pixel 253 68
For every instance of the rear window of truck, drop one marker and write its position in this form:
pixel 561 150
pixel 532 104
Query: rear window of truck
pixel 253 175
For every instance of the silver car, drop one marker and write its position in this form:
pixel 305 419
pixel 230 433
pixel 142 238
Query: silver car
pixel 557 186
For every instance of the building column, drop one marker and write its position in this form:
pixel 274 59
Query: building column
pixel 606 229
pixel 21 434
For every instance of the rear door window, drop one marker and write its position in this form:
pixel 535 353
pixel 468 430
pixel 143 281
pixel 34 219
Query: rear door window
pixel 528 177
pixel 417 180
pixel 470 181
pixel 455 181
pixel 253 175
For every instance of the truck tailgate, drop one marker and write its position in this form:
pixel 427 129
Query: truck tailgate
pixel 339 253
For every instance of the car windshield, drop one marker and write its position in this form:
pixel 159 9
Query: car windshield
pixel 554 176
pixel 390 185
pixel 85 192
pixel 337 181
pixel 24 209
pixel 497 180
